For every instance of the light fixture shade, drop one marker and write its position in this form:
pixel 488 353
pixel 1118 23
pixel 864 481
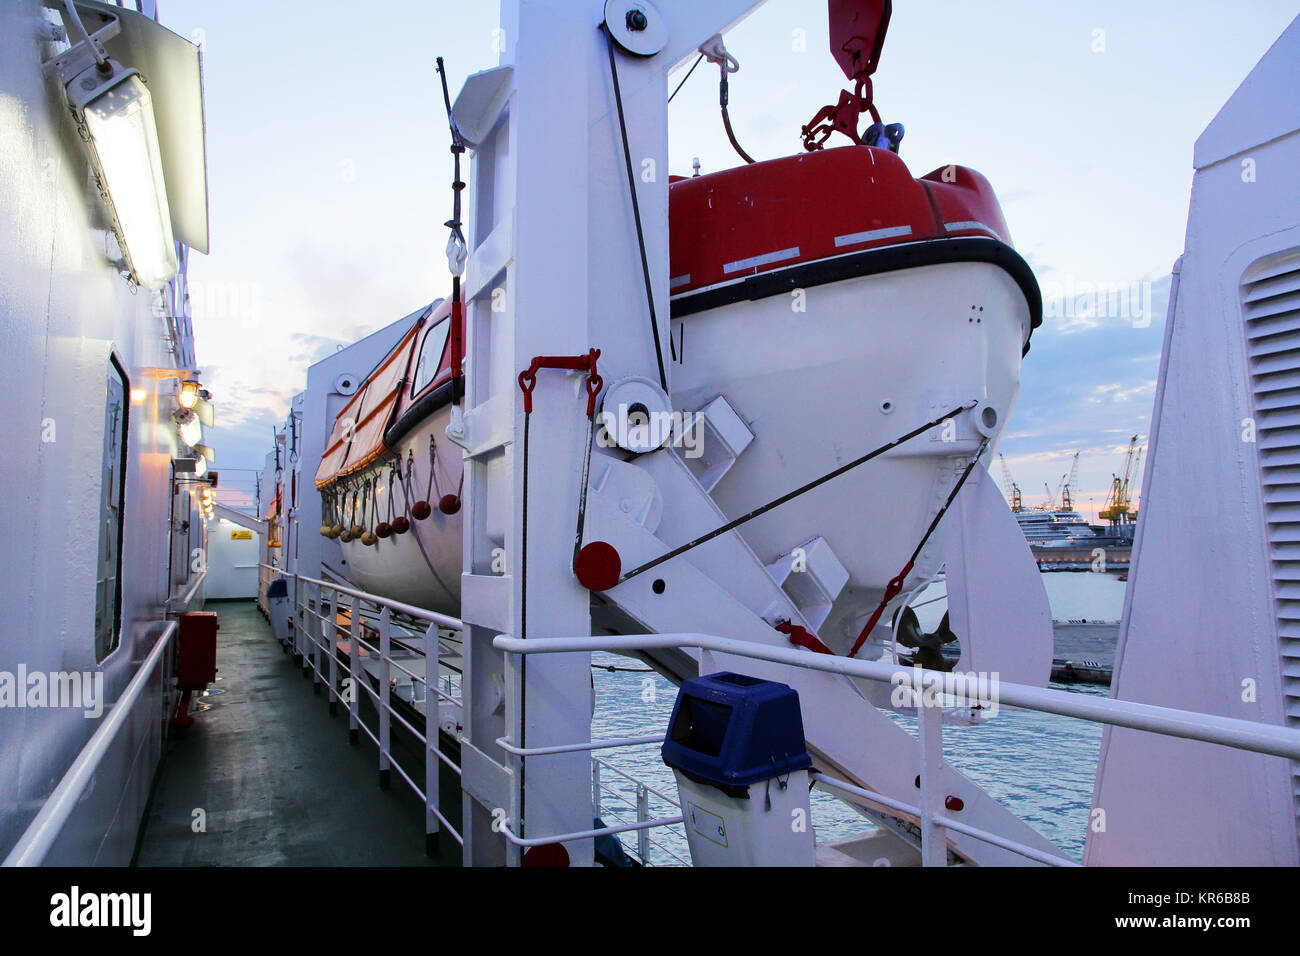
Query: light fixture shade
pixel 203 408
pixel 118 113
pixel 187 426
pixel 206 451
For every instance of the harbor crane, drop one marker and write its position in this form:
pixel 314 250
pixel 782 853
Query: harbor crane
pixel 1011 489
pixel 1119 508
pixel 1068 483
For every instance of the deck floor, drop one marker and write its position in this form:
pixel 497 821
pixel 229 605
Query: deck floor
pixel 274 773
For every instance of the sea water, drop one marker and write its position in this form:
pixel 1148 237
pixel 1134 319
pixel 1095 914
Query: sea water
pixel 1039 766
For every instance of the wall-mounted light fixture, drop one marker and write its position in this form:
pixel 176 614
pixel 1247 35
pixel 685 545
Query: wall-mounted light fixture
pixel 187 393
pixel 113 103
pixel 135 90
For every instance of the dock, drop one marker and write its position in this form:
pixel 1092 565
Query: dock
pixel 1116 558
pixel 1084 652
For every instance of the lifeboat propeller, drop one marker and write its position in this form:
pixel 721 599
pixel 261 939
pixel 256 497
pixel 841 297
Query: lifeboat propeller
pixel 927 653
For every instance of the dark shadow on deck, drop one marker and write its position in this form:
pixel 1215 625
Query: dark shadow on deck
pixel 275 774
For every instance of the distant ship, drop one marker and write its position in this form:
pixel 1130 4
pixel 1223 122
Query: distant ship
pixel 1055 529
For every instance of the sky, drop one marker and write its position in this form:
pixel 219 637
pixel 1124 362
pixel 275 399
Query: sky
pixel 328 176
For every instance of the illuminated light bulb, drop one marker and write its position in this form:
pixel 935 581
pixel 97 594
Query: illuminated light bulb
pixel 188 394
pixel 138 395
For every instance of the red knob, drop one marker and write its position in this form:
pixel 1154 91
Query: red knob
pixel 401 524
pixel 421 510
pixel 449 504
pixel 598 566
pixel 383 529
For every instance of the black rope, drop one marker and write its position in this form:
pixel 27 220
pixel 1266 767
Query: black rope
pixel 723 97
pixel 763 509
pixel 636 211
pixel 687 76
pixel 582 499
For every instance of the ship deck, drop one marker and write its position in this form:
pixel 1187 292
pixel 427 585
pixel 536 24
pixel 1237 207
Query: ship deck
pixel 274 774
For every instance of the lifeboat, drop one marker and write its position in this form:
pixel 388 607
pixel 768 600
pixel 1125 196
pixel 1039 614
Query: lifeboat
pixel 836 302
pixel 390 480
pixel 832 299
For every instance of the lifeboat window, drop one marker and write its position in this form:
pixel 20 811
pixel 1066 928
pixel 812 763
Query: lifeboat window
pixel 112 491
pixel 430 360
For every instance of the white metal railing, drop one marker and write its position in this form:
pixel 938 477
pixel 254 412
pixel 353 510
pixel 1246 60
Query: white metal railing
pixel 181 602
pixel 40 835
pixel 1211 728
pixel 316 634
pixel 640 804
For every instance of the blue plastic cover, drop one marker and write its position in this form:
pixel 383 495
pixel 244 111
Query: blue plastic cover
pixel 278 588
pixel 730 730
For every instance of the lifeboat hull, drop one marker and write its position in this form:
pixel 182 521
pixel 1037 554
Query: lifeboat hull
pixel 421 567
pixel 868 360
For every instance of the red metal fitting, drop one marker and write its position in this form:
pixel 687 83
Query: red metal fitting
pixel 573 363
pixel 803 637
pixel 598 566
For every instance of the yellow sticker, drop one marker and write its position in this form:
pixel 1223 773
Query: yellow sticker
pixel 241 534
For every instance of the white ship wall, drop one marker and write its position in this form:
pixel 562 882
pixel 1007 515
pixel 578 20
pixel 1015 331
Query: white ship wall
pixel 1211 620
pixel 63 309
pixel 232 562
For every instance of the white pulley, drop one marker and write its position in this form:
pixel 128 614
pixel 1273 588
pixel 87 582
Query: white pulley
pixel 637 26
pixel 636 416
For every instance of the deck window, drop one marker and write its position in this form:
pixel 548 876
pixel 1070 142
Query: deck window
pixel 430 360
pixel 112 493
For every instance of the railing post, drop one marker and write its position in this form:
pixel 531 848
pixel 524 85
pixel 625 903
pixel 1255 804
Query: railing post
pixel 431 740
pixel 385 695
pixel 315 633
pixel 934 840
pixel 355 670
pixel 332 624
pixel 642 815
pixel 595 784
pixel 295 621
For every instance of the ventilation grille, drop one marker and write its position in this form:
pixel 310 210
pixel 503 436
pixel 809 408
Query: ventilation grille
pixel 1271 307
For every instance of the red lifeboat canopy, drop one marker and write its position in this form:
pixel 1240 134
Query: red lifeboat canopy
pixel 768 216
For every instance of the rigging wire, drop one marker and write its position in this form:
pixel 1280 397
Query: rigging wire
pixel 636 212
pixel 457 248
pixel 686 77
pixel 895 586
pixel 763 509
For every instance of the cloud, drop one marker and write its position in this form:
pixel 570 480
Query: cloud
pixel 1087 385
